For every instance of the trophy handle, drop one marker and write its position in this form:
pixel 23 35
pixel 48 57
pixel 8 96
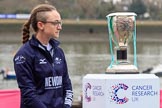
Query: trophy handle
pixel 134 45
pixel 110 42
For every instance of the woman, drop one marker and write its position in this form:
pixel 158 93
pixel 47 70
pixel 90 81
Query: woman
pixel 40 65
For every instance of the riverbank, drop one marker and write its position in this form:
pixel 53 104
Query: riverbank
pixel 82 22
pixel 82 30
pixel 84 25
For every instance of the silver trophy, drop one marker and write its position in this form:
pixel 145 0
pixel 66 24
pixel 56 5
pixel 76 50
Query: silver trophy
pixel 122 31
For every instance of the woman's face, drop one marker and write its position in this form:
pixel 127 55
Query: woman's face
pixel 53 24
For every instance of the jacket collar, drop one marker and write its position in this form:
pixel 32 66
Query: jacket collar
pixel 35 42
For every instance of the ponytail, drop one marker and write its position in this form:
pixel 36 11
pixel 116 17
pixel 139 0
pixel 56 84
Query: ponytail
pixel 26 32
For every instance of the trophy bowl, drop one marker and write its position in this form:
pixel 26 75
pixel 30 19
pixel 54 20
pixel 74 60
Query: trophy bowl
pixel 122 28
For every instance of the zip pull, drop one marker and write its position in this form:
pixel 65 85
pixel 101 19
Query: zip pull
pixel 53 65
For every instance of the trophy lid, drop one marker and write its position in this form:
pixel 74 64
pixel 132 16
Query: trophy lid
pixel 122 14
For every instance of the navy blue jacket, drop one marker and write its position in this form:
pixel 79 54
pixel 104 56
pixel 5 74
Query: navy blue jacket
pixel 42 77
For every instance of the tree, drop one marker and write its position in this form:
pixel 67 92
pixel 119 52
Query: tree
pixel 154 10
pixel 138 7
pixel 104 9
pixel 88 8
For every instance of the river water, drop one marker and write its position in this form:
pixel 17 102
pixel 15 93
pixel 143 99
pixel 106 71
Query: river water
pixel 85 53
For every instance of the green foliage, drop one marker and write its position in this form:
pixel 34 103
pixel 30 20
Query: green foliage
pixel 138 7
pixel 154 12
pixel 2 9
pixel 104 9
pixel 22 11
pixel 160 15
pixel 85 9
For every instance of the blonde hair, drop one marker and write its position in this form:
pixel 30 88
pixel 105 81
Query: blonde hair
pixel 37 14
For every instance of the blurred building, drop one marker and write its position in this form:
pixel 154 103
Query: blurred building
pixel 123 4
pixel 157 3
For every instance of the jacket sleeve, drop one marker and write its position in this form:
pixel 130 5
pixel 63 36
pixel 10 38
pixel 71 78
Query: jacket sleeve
pixel 23 70
pixel 67 86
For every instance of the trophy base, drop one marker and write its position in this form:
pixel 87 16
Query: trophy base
pixel 122 69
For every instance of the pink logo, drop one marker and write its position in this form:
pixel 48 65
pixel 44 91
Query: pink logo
pixel 87 88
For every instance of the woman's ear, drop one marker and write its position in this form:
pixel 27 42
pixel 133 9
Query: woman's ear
pixel 40 25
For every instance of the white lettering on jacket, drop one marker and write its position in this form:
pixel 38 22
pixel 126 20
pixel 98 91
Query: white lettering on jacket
pixel 42 61
pixel 53 82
